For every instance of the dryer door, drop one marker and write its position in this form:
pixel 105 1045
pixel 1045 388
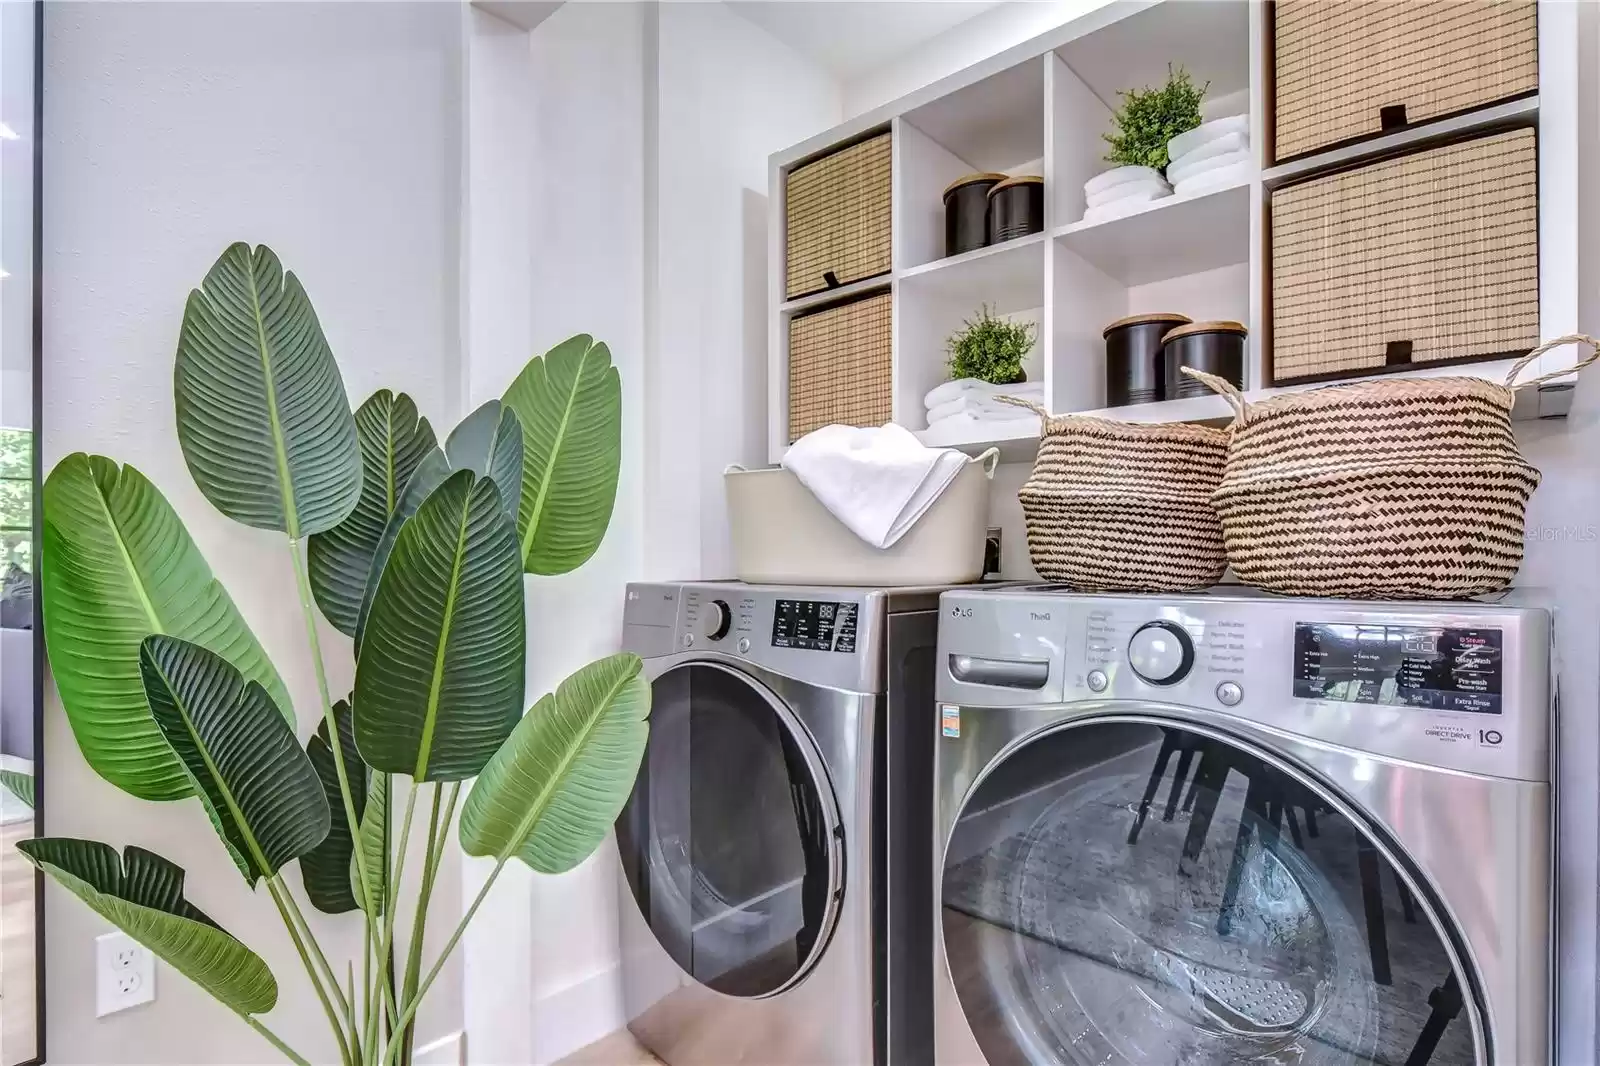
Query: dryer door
pixel 730 840
pixel 1134 891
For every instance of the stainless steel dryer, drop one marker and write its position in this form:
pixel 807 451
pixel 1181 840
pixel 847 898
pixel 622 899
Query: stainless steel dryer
pixel 1229 828
pixel 767 916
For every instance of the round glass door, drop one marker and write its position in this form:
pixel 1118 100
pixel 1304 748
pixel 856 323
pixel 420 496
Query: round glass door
pixel 1140 894
pixel 728 840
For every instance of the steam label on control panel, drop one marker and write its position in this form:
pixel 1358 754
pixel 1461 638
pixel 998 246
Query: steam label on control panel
pixel 950 720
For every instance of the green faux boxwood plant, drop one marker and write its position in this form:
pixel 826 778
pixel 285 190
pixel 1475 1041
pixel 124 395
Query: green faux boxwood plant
pixel 414 549
pixel 989 348
pixel 1149 118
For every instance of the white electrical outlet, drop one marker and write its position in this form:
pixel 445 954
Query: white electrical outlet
pixel 124 974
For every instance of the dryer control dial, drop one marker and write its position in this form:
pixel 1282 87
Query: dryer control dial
pixel 1161 653
pixel 713 620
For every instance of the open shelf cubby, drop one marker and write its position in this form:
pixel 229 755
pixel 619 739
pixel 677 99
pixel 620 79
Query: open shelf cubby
pixel 1043 108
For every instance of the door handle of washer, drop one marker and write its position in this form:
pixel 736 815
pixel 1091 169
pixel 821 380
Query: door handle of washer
pixel 1000 673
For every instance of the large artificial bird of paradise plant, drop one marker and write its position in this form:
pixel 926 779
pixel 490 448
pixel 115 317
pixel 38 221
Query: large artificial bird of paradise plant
pixel 414 549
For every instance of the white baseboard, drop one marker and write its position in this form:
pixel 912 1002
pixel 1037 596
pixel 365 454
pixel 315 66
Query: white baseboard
pixel 577 1015
pixel 448 1050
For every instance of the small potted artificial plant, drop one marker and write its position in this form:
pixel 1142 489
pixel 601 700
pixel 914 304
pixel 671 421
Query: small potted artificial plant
pixel 990 349
pixel 1149 118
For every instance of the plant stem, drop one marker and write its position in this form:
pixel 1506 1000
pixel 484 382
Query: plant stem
pixel 316 950
pixel 272 1038
pixel 437 832
pixel 355 1026
pixel 311 970
pixel 450 945
pixel 345 791
pixel 386 944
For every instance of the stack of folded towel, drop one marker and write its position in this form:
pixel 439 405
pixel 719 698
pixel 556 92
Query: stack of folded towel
pixel 968 401
pixel 1122 191
pixel 1212 156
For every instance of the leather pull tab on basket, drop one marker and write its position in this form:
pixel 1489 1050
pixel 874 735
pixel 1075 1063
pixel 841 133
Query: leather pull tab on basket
pixel 1224 388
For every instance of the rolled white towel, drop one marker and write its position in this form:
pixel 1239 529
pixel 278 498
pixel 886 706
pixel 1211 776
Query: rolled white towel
pixel 1208 166
pixel 1188 141
pixel 1129 190
pixel 1231 145
pixel 1118 208
pixel 951 390
pixel 1119 176
pixel 1212 180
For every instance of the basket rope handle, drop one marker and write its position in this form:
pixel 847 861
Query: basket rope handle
pixel 1017 401
pixel 1571 338
pixel 1224 388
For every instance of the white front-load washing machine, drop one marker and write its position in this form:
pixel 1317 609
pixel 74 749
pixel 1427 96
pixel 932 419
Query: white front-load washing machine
pixel 776 851
pixel 1229 828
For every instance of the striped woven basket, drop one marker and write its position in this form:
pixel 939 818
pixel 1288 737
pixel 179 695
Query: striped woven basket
pixel 1390 488
pixel 1124 507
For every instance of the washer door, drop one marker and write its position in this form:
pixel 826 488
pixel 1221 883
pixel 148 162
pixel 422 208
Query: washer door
pixel 730 841
pixel 1131 891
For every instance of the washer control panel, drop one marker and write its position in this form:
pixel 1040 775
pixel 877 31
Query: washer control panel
pixel 1460 685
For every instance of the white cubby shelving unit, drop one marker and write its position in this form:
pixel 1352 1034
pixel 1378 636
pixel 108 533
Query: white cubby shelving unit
pixel 1042 107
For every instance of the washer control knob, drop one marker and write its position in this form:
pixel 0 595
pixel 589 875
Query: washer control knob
pixel 1097 681
pixel 1161 653
pixel 713 620
pixel 1229 694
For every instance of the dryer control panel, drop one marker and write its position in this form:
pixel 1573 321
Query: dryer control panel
pixel 1459 685
pixel 824 636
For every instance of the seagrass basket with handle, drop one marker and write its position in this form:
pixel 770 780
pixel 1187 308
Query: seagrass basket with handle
pixel 1382 489
pixel 1124 506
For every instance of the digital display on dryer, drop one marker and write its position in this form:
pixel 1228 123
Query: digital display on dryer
pixel 814 625
pixel 1438 668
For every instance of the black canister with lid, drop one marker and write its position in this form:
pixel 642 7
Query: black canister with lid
pixel 1016 208
pixel 966 212
pixel 1135 372
pixel 1214 347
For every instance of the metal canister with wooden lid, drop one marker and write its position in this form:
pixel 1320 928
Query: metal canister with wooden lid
pixel 1016 208
pixel 1214 347
pixel 966 212
pixel 1135 372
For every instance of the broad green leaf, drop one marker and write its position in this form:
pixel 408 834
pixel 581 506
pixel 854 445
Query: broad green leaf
pixel 117 566
pixel 142 894
pixel 429 475
pixel 394 440
pixel 325 869
pixel 439 677
pixel 19 785
pixel 569 402
pixel 373 841
pixel 258 787
pixel 488 442
pixel 263 419
pixel 553 790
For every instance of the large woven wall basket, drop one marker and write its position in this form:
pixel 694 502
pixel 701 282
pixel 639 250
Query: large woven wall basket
pixel 1124 507
pixel 1391 488
pixel 836 218
pixel 839 366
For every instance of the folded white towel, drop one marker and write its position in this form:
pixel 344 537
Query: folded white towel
pixel 1129 190
pixel 878 482
pixel 981 406
pixel 1212 180
pixel 1119 176
pixel 951 390
pixel 1186 142
pixel 967 424
pixel 1118 208
pixel 1207 166
pixel 1233 144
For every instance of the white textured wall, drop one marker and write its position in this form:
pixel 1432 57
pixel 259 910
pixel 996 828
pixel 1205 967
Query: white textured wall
pixel 331 132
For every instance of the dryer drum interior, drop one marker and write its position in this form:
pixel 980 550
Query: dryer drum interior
pixel 727 841
pixel 1143 892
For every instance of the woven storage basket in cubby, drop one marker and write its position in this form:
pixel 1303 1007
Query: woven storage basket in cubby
pixel 1345 69
pixel 1123 506
pixel 839 366
pixel 836 218
pixel 1385 489
pixel 1424 258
